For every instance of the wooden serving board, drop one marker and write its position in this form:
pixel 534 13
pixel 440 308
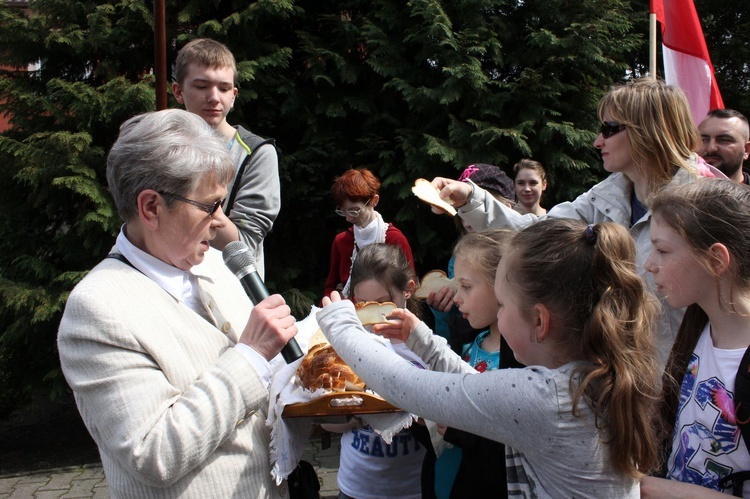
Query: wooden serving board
pixel 340 404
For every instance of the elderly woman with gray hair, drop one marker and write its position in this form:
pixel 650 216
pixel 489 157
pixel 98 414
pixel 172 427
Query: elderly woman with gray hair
pixel 167 358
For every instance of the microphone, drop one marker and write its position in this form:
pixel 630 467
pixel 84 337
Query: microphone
pixel 241 261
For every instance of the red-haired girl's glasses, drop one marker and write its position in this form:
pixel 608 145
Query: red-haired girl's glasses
pixel 351 213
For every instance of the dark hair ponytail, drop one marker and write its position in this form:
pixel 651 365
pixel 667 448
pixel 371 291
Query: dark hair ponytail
pixel 621 381
pixel 585 276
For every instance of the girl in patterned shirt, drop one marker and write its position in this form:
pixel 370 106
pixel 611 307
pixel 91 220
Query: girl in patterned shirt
pixel 700 261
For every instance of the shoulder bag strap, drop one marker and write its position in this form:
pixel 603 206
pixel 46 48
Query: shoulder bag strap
pixel 121 257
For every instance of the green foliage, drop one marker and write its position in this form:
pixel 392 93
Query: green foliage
pixel 726 27
pixel 58 218
pixel 409 89
pixel 299 302
pixel 424 88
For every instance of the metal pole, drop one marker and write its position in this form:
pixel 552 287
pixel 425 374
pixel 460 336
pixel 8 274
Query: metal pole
pixel 160 53
pixel 652 46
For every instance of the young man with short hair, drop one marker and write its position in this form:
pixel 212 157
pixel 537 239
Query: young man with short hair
pixel 205 83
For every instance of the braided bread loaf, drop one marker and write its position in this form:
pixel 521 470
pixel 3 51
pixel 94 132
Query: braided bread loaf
pixel 323 368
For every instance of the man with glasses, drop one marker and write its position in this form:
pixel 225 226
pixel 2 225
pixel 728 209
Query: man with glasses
pixel 168 360
pixel 356 194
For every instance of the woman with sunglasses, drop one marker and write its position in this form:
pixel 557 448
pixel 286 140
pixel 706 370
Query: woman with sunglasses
pixel 356 196
pixel 647 138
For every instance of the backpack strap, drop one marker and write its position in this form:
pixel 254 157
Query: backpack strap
pixel 742 413
pixel 251 143
pixel 742 397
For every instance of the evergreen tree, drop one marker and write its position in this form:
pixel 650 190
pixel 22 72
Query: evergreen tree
pixel 424 88
pixel 725 26
pixel 409 89
pixel 57 217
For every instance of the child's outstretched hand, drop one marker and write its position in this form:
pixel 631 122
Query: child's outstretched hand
pixel 403 323
pixel 458 192
pixel 335 296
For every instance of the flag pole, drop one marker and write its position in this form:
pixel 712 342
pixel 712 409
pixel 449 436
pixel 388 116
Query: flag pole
pixel 160 54
pixel 652 45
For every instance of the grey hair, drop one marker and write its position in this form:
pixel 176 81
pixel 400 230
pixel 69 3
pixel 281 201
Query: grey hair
pixel 167 151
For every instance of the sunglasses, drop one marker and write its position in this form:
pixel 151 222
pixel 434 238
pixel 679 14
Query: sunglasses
pixel 610 128
pixel 351 213
pixel 208 208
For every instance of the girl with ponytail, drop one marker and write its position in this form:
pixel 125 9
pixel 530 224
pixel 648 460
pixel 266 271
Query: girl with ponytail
pixel 577 421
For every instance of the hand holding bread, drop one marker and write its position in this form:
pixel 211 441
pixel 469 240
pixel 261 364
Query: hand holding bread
pixel 441 300
pixel 372 312
pixel 432 282
pixel 456 192
pixel 427 192
pixel 402 322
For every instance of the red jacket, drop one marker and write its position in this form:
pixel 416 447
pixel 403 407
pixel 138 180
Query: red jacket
pixel 341 255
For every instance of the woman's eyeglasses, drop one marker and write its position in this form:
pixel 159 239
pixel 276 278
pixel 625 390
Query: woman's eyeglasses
pixel 208 208
pixel 610 128
pixel 351 213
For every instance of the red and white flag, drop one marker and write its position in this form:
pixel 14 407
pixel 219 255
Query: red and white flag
pixel 686 60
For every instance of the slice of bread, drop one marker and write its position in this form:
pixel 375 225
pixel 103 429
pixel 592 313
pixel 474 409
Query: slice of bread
pixel 428 193
pixel 372 312
pixel 434 281
pixel 317 339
